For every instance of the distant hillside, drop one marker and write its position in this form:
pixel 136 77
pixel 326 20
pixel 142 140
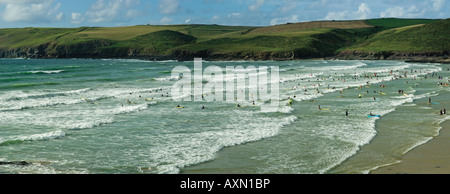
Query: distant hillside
pixel 291 27
pixel 363 39
pixel 430 40
pixel 389 23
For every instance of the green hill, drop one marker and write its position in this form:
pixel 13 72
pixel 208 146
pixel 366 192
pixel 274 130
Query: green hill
pixel 344 39
pixel 426 40
pixel 389 23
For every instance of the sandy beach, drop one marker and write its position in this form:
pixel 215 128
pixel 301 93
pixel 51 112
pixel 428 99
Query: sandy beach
pixel 430 158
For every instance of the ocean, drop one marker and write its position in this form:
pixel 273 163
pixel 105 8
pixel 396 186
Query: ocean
pixel 108 116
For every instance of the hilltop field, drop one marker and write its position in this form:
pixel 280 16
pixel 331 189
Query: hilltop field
pixel 387 38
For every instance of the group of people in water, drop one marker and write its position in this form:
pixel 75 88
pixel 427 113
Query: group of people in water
pixel 305 90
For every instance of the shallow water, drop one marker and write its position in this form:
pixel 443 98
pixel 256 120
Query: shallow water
pixel 72 116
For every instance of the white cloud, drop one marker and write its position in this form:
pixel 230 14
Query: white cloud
pixel 165 20
pixel 362 13
pixel 113 10
pixel 76 18
pixel 168 6
pixel 187 21
pixel 234 15
pixel 292 19
pixel 215 18
pixel 343 15
pixel 399 12
pixel 288 6
pixel 393 12
pixel 437 4
pixel 256 5
pixel 38 11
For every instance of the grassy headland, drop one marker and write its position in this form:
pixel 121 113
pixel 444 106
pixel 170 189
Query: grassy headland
pixel 363 39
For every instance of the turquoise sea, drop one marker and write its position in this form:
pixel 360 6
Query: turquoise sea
pixel 103 116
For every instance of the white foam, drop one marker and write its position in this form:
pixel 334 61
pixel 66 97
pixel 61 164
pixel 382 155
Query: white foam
pixel 35 137
pixel 129 109
pixel 86 123
pixel 47 72
pixel 176 151
pixel 340 68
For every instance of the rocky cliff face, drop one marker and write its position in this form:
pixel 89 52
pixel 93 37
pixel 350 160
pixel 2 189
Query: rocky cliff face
pixel 88 49
pixel 105 49
pixel 228 56
pixel 30 52
pixel 441 57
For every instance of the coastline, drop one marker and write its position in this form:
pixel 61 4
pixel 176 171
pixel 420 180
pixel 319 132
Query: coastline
pixel 442 60
pixel 432 157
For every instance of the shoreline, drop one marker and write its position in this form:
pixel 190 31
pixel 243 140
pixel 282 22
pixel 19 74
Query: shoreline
pixel 410 58
pixel 446 61
pixel 432 157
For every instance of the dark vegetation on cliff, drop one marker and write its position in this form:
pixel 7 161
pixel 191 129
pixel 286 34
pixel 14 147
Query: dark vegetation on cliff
pixel 386 38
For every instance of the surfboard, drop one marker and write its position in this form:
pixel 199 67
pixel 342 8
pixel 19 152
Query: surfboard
pixel 373 116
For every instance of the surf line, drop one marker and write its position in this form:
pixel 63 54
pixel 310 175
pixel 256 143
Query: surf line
pixel 190 87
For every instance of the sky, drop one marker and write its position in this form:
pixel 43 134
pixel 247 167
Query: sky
pixel 76 13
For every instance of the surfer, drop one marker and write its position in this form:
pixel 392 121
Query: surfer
pixel 320 108
pixel 128 101
pixel 444 111
pixel 238 105
pixel 203 107
pixel 371 114
pixel 346 113
pixel 178 106
pixel 290 101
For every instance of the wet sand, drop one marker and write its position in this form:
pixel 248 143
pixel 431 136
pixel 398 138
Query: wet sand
pixel 430 158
